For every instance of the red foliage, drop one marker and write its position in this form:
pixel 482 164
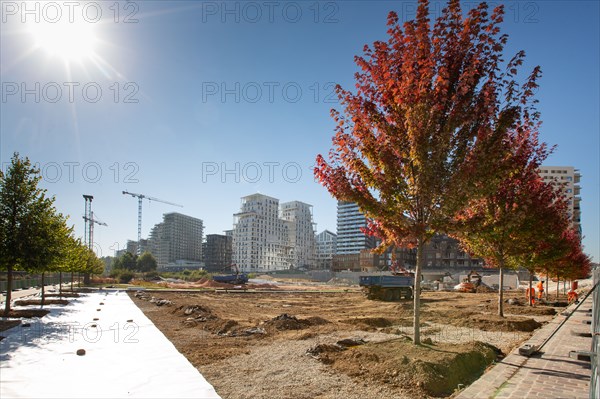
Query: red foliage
pixel 422 132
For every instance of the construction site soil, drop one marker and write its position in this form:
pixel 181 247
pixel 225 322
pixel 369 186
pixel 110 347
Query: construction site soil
pixel 318 344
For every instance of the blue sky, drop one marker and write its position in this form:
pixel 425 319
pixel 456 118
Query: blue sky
pixel 201 103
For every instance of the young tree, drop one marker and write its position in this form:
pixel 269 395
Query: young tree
pixel 550 245
pixel 509 228
pixel 146 262
pixel 574 265
pixel 76 258
pixel 127 261
pixel 51 245
pixel 26 220
pixel 421 134
pixel 91 263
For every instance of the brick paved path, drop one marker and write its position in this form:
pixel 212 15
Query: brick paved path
pixel 549 374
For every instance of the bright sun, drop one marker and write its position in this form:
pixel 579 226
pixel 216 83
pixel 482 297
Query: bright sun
pixel 70 41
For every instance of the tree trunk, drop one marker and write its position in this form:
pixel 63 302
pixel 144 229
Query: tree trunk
pixel 9 284
pixel 417 293
pixel 557 286
pixel 72 281
pixel 501 290
pixel 547 287
pixel 43 291
pixel 78 280
pixel 60 284
pixel 86 279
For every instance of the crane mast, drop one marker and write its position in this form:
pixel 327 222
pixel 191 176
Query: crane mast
pixel 89 219
pixel 140 197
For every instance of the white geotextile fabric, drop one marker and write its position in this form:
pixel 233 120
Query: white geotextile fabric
pixel 123 359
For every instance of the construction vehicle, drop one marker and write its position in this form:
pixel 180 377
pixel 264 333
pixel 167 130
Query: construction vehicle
pixel 388 288
pixel 470 283
pixel 236 277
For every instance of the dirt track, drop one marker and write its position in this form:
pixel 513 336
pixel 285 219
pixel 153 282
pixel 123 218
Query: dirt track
pixel 245 346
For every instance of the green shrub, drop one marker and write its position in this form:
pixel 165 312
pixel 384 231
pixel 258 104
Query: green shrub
pixel 125 277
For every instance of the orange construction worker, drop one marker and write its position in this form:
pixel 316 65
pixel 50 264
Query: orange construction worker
pixel 530 294
pixel 572 296
pixel 540 287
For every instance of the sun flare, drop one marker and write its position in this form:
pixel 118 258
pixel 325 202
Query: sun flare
pixel 71 41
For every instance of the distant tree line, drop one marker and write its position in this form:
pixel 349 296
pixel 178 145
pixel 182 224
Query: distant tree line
pixel 125 266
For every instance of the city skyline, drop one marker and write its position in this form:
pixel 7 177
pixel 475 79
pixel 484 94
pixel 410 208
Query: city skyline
pixel 202 105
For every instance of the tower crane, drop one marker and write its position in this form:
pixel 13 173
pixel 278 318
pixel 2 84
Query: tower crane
pixel 140 197
pixel 89 221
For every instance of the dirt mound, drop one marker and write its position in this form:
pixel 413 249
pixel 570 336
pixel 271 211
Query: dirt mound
pixel 286 322
pixel 496 323
pixel 426 370
pixel 225 326
pixel 28 313
pixel 528 310
pixel 191 310
pixel 322 352
pixel 483 288
pixel 263 286
pixel 29 302
pixel 64 295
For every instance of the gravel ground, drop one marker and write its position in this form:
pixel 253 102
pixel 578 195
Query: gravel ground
pixel 284 367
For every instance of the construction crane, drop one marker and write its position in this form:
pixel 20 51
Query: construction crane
pixel 89 222
pixel 140 197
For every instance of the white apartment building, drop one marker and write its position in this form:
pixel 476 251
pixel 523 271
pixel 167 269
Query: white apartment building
pixel 326 248
pixel 261 240
pixel 301 233
pixel 566 178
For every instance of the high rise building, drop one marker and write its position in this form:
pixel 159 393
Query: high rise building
pixel 350 238
pixel 177 240
pixel 326 243
pixel 217 251
pixel 268 237
pixel 566 179
pixel 301 233
pixel 261 239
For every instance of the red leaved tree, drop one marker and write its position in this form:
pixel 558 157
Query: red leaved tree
pixel 522 223
pixel 424 130
pixel 574 265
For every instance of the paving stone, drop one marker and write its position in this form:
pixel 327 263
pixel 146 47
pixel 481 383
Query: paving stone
pixel 552 375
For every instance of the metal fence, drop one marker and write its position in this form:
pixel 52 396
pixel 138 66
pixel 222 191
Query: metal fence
pixel 24 283
pixel 595 358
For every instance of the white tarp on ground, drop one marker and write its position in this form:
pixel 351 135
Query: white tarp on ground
pixel 123 359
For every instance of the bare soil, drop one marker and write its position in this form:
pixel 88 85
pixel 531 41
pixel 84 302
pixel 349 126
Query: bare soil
pixel 26 313
pixel 7 324
pixel 63 295
pixel 29 302
pixel 287 344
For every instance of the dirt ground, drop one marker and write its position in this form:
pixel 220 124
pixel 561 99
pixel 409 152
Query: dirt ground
pixel 338 344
